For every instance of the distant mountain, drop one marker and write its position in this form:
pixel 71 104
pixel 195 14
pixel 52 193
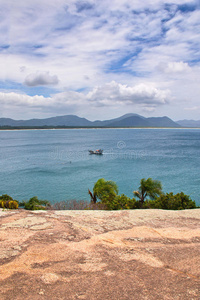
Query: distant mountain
pixel 163 122
pixel 68 120
pixel 9 122
pixel 189 123
pixel 128 120
pixel 139 121
pixel 133 121
pixel 112 121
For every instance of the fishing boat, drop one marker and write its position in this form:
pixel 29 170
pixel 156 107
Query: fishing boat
pixel 98 152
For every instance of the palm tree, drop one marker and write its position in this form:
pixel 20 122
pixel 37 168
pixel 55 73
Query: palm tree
pixel 93 197
pixel 148 187
pixel 104 190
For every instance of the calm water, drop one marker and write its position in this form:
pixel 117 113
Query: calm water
pixel 55 164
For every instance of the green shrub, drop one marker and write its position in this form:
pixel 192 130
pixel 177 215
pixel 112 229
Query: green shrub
pixel 120 202
pixel 35 204
pixel 171 201
pixel 6 197
pixel 7 201
pixel 13 204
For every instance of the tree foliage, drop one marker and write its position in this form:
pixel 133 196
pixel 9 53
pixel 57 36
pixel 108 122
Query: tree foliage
pixel 148 188
pixel 104 190
pixel 107 193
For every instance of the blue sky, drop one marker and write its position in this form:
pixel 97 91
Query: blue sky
pixel 99 59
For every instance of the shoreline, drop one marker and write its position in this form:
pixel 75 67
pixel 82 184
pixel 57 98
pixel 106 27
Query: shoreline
pixel 93 128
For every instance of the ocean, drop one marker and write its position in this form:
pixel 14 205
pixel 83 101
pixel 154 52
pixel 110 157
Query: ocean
pixel 55 165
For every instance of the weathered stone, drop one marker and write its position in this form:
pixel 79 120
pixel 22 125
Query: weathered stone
pixel 133 254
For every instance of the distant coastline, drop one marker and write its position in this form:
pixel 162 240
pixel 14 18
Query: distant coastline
pixel 130 120
pixel 9 128
pixel 72 121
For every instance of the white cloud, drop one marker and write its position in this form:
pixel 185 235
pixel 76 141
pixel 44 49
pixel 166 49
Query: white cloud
pixel 16 99
pixel 24 106
pixel 174 67
pixel 39 79
pixel 111 94
pixel 60 99
pixel 114 93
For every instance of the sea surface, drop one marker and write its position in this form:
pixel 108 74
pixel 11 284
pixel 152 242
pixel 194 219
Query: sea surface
pixel 55 164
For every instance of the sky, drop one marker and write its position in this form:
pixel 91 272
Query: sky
pixel 99 59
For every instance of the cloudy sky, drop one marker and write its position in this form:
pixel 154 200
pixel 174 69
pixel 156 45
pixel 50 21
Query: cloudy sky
pixel 99 59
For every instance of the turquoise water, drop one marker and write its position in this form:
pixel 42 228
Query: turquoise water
pixel 55 164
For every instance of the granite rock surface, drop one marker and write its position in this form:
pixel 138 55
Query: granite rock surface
pixel 129 254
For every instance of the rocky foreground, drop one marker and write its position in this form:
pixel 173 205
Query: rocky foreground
pixel 138 254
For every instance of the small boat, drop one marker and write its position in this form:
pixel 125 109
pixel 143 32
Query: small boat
pixel 98 152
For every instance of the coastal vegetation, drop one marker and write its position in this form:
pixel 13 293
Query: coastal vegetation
pixel 104 196
pixel 172 202
pixel 148 188
pixel 7 201
pixel 106 191
pixel 149 194
pixel 35 204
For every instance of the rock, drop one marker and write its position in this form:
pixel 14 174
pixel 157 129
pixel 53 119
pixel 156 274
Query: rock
pixel 135 254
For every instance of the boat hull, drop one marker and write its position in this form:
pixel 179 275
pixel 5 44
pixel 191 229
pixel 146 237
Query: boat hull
pixel 96 152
